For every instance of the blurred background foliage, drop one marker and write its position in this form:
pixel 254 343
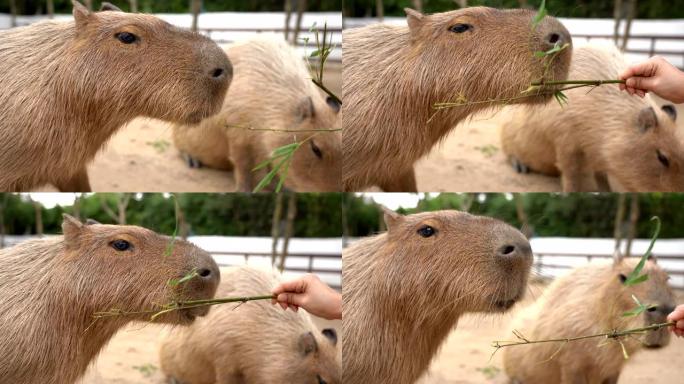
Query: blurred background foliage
pixel 231 214
pixel 571 215
pixel 651 9
pixel 32 7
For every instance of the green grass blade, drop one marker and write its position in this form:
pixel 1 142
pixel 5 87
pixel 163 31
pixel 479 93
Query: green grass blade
pixel 634 277
pixel 541 14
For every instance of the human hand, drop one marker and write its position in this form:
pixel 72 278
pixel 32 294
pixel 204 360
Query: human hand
pixel 678 316
pixel 655 75
pixel 310 293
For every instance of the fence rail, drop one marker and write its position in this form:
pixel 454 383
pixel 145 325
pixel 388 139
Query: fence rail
pixel 652 39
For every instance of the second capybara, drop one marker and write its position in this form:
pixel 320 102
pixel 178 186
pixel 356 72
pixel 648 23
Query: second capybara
pixel 66 87
pixel 393 76
pixel 51 288
pixel 256 342
pixel 589 300
pixel 272 91
pixel 602 132
pixel 404 290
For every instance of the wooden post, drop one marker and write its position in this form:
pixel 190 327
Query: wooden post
pixel 617 231
pixel 301 8
pixel 134 5
pixel 13 13
pixel 195 7
pixel 51 8
pixel 289 228
pixel 380 9
pixel 633 219
pixel 275 227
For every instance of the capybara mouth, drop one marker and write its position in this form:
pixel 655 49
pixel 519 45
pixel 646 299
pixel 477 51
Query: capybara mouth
pixel 653 346
pixel 189 315
pixel 506 304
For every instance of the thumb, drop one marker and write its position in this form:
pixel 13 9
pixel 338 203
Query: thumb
pixel 291 298
pixel 644 83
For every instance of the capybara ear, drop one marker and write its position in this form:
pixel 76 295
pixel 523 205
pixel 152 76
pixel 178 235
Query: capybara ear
pixel 305 109
pixel 652 258
pixel 670 110
pixel 391 217
pixel 331 334
pixel 307 343
pixel 71 228
pixel 81 14
pixel 647 119
pixel 91 222
pixel 414 19
pixel 334 104
pixel 109 7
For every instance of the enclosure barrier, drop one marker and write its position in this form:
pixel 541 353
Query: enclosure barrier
pixel 544 264
pixel 652 43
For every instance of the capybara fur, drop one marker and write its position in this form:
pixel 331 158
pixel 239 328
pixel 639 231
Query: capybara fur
pixel 589 300
pixel 255 343
pixel 66 87
pixel 404 290
pixel 602 131
pixel 393 75
pixel 272 91
pixel 51 288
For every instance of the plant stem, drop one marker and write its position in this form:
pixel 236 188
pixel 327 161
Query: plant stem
pixel 182 305
pixel 249 128
pixel 609 335
pixel 326 90
pixel 584 82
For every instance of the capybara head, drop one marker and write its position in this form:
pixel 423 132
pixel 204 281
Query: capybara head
pixel 652 158
pixel 494 49
pixel 318 363
pixel 143 65
pixel 130 268
pixel 317 164
pixel 474 263
pixel 654 293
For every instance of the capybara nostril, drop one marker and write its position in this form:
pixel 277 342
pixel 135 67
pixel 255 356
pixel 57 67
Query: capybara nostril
pixel 217 73
pixel 507 249
pixel 556 38
pixel 553 38
pixel 204 272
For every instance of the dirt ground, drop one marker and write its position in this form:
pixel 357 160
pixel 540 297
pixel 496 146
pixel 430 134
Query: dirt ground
pixel 132 355
pixel 464 357
pixel 141 157
pixel 471 160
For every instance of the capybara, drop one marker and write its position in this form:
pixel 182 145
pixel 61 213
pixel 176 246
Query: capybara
pixel 50 288
pixel 66 87
pixel 256 342
pixel 393 75
pixel 272 91
pixel 600 131
pixel 589 300
pixel 404 290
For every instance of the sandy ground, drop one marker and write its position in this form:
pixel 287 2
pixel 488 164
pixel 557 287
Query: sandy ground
pixel 464 357
pixel 470 160
pixel 141 157
pixel 132 355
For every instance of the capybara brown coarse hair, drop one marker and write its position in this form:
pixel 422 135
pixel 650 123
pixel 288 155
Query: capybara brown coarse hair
pixel 272 91
pixel 589 300
pixel 393 75
pixel 404 290
pixel 603 131
pixel 66 87
pixel 256 342
pixel 50 288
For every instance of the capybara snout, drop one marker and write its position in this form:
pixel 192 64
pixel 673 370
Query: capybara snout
pixel 552 33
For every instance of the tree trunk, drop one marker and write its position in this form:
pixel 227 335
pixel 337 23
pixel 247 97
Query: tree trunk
pixel 195 7
pixel 631 13
pixel 522 3
pixel 288 18
pixel 380 10
pixel 526 229
pixel 275 227
pixel 118 217
pixel 134 5
pixel 467 202
pixel 633 219
pixel 301 8
pixel 76 208
pixel 38 209
pixel 13 13
pixel 345 222
pixel 89 4
pixel 183 227
pixel 617 16
pixel 617 231
pixel 3 204
pixel 51 8
pixel 418 5
pixel 289 228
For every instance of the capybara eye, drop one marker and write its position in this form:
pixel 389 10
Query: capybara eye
pixel 426 231
pixel 320 380
pixel 126 38
pixel 663 159
pixel 120 245
pixel 316 150
pixel 460 28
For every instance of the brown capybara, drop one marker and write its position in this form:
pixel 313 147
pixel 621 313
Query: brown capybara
pixel 50 288
pixel 254 343
pixel 393 75
pixel 603 131
pixel 66 87
pixel 272 90
pixel 404 290
pixel 587 301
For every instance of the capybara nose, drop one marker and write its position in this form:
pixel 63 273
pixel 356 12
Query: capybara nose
pixel 556 38
pixel 514 251
pixel 222 72
pixel 209 272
